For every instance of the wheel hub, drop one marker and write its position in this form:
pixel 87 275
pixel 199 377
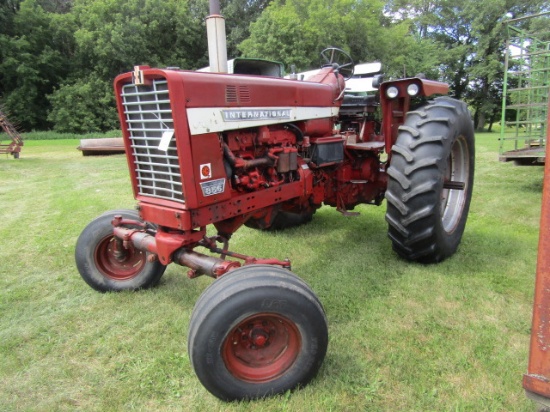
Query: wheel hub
pixel 261 348
pixel 259 338
pixel 116 263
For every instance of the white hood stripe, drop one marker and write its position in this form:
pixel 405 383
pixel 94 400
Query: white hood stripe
pixel 215 119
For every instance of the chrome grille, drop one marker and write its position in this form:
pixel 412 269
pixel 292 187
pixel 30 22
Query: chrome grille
pixel 150 125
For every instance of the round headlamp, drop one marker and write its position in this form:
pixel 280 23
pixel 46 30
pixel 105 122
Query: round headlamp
pixel 392 92
pixel 413 89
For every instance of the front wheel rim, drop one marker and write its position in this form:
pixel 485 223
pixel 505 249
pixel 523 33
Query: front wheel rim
pixel 124 265
pixel 261 347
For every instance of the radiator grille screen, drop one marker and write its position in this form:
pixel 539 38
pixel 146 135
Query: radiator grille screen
pixel 150 126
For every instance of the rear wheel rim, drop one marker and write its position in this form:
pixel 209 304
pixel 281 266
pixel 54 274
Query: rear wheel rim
pixel 127 265
pixel 458 170
pixel 261 347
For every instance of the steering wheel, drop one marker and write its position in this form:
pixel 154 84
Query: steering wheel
pixel 332 56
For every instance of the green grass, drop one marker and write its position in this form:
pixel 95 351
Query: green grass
pixel 49 135
pixel 403 336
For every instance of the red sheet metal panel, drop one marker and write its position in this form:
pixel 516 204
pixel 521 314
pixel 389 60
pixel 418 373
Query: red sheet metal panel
pixel 537 379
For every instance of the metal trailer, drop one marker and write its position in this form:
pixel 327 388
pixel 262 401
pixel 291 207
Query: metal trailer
pixel 525 91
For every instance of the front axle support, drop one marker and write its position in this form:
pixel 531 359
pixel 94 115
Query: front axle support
pixel 198 263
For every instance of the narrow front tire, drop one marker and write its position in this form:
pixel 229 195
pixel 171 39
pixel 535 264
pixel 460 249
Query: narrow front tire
pixel 257 331
pixel 106 266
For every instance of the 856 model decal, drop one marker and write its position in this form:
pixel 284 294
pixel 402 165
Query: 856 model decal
pixel 213 187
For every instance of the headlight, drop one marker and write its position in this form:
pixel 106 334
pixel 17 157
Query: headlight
pixel 413 89
pixel 392 92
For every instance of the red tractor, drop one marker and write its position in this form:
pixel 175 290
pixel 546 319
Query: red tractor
pixel 229 150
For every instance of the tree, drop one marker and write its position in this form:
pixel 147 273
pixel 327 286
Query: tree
pixel 470 37
pixel 31 65
pixel 8 10
pixel 78 42
pixel 239 14
pixel 84 106
pixel 56 6
pixel 295 31
pixel 77 47
pixel 115 35
pixel 110 37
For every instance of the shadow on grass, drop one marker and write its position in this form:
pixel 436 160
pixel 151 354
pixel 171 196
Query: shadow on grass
pixel 534 186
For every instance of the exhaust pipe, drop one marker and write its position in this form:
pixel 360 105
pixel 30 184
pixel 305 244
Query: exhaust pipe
pixel 217 43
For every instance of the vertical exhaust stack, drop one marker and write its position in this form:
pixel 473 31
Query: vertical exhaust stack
pixel 217 46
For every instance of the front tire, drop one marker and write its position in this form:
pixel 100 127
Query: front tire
pixel 431 178
pixel 257 331
pixel 103 268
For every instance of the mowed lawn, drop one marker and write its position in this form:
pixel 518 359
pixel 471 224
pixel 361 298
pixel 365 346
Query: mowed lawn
pixel 403 336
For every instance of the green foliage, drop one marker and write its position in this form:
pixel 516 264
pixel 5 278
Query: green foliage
pixel 83 107
pixel 294 32
pixel 274 34
pixel 31 65
pixel 59 73
pixel 50 48
pixel 239 14
pixel 115 35
pixel 8 10
pixel 469 40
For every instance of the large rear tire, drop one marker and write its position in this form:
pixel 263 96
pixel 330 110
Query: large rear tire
pixel 431 178
pixel 257 331
pixel 107 269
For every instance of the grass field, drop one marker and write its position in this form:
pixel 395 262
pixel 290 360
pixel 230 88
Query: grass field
pixel 403 336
